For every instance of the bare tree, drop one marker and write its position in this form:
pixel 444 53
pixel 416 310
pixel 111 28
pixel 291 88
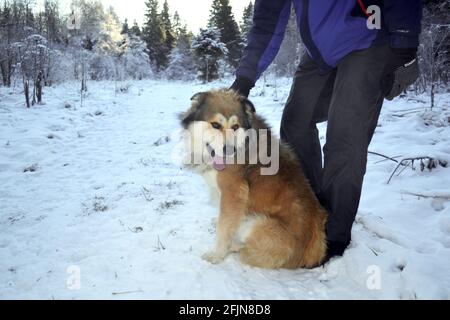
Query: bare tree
pixel 434 50
pixel 435 38
pixel 32 56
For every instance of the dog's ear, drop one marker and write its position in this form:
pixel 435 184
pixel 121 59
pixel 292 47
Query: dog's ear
pixel 199 96
pixel 248 106
pixel 198 100
pixel 249 110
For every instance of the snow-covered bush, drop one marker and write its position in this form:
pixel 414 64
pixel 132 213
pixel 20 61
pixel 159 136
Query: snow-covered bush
pixel 118 56
pixel 181 66
pixel 135 61
pixel 101 66
pixel 61 67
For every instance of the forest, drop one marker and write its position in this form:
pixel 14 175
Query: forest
pixel 40 48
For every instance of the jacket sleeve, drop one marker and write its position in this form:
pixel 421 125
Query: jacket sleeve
pixel 403 21
pixel 270 19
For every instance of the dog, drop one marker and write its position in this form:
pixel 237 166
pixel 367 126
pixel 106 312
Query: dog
pixel 273 221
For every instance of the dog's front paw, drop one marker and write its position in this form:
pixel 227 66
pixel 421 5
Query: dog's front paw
pixel 213 257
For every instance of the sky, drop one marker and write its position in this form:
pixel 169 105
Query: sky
pixel 194 12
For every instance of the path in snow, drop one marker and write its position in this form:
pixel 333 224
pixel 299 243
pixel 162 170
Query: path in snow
pixel 105 199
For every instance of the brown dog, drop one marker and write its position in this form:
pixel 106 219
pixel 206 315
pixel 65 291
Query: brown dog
pixel 272 220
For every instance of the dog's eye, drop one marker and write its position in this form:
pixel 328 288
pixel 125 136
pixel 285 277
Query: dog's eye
pixel 216 125
pixel 235 127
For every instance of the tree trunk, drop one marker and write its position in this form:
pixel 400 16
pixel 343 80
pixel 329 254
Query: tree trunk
pixel 83 74
pixel 207 70
pixel 26 91
pixel 432 95
pixel 46 78
pixel 33 100
pixel 6 68
pixel 2 69
pixel 38 86
pixel 432 83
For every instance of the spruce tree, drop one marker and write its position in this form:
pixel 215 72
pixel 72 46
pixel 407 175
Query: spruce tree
pixel 208 50
pixel 247 20
pixel 182 61
pixel 29 16
pixel 222 18
pixel 51 21
pixel 184 38
pixel 169 36
pixel 291 49
pixel 135 29
pixel 153 35
pixel 125 27
pixel 176 25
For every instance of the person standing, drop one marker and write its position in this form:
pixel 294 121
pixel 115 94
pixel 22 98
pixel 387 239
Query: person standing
pixel 344 76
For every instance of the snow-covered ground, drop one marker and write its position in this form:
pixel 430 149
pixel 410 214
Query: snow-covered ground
pixel 91 194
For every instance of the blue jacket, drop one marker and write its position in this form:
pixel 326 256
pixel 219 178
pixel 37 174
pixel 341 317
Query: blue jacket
pixel 328 30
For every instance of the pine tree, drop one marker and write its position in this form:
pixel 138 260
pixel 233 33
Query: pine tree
pixel 247 20
pixel 50 25
pixel 92 17
pixel 125 27
pixel 184 39
pixel 110 37
pixel 153 35
pixel 135 29
pixel 222 18
pixel 51 21
pixel 176 25
pixel 105 59
pixel 6 38
pixel 182 61
pixel 135 61
pixel 169 36
pixel 208 49
pixel 29 16
pixel 291 49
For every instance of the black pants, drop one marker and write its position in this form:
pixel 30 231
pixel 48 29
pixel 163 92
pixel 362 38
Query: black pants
pixel 350 98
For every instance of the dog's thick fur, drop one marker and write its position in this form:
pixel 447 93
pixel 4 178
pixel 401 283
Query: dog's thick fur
pixel 271 221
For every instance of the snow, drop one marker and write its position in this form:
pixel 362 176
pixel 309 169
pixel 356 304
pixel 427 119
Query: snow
pixel 102 198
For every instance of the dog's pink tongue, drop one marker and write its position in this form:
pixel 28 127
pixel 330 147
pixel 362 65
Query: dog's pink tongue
pixel 219 163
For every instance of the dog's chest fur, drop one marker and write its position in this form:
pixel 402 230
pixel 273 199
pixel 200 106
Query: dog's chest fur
pixel 210 177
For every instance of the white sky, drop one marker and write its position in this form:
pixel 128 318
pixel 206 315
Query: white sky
pixel 194 12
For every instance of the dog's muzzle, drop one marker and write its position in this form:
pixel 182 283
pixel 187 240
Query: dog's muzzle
pixel 219 162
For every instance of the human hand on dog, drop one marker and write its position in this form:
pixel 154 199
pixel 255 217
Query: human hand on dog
pixel 242 86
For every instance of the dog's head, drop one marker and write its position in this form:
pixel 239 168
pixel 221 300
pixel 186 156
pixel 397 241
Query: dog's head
pixel 216 124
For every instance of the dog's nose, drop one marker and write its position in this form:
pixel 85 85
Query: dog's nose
pixel 212 152
pixel 229 151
